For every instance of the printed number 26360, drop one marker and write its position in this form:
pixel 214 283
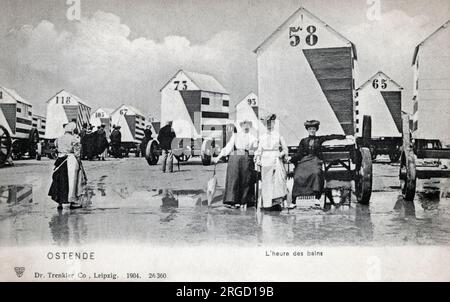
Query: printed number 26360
pixel 157 275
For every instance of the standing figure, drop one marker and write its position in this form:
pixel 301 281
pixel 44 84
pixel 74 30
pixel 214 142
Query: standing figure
pixel 102 142
pixel 165 138
pixel 240 179
pixel 67 181
pixel 90 143
pixel 271 152
pixel 83 140
pixel 116 141
pixel 147 137
pixel 308 174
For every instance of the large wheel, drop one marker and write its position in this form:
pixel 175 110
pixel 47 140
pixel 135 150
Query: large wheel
pixel 33 141
pixel 5 144
pixel 152 152
pixel 206 152
pixel 18 149
pixel 363 181
pixel 408 175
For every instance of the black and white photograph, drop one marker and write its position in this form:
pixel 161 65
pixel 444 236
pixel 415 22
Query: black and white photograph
pixel 224 140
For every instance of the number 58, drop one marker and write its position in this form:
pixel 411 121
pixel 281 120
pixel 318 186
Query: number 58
pixel 311 39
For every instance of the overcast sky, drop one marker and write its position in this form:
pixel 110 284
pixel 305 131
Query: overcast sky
pixel 124 51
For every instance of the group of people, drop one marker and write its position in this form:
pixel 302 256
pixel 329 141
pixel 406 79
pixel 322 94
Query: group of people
pixel 93 142
pixel 269 153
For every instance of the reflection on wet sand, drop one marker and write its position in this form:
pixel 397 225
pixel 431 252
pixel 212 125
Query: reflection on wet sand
pixel 16 194
pixel 168 200
pixel 68 228
pixel 406 208
pixel 183 217
pixel 363 222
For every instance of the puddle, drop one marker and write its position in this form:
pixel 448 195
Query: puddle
pixel 181 216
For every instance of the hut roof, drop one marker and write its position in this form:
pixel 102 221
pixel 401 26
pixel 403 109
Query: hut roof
pixel 12 93
pixel 204 82
pixel 416 50
pixel 307 12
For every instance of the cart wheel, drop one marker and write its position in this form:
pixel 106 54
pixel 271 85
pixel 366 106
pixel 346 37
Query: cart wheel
pixel 16 150
pixel 152 152
pixel 182 158
pixel 33 141
pixel 206 152
pixel 5 144
pixel 408 175
pixel 394 155
pixel 363 181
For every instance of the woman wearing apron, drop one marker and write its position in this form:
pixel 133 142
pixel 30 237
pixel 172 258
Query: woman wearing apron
pixel 67 181
pixel 271 152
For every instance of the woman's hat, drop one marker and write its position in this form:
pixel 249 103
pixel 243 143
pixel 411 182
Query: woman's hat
pixel 312 124
pixel 246 122
pixel 70 127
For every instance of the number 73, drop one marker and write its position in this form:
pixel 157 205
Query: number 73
pixel 177 85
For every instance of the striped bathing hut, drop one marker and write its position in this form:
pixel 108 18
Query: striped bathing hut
pixel 198 105
pixel 431 94
pixel 248 109
pixel 17 113
pixel 63 108
pixel 102 116
pixel 39 122
pixel 132 122
pixel 305 72
pixel 381 98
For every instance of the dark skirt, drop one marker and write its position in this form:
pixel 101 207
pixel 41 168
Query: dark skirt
pixel 59 189
pixel 240 181
pixel 308 178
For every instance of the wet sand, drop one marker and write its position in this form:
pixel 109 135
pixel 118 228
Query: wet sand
pixel 127 200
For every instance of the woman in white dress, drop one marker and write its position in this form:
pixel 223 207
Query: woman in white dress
pixel 271 152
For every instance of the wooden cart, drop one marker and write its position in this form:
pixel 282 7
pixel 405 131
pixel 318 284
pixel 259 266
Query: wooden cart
pixel 421 159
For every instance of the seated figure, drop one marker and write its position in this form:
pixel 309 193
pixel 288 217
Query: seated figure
pixel 308 174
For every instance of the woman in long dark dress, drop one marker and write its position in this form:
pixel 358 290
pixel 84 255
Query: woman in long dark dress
pixel 240 179
pixel 308 174
pixel 67 177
